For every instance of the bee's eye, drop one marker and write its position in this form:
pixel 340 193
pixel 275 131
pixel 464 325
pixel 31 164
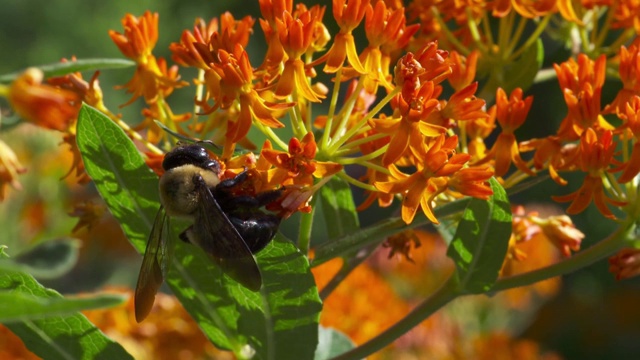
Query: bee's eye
pixel 190 154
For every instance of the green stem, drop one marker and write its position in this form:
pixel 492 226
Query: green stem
pixel 354 130
pixel 437 300
pixel 377 232
pixel 602 249
pixel 271 135
pixel 450 36
pixel 306 225
pixel 533 38
pixel 326 136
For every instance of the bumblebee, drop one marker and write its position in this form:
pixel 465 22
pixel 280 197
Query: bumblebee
pixel 230 228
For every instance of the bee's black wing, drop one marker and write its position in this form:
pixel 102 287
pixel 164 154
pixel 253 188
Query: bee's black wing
pixel 154 266
pixel 215 234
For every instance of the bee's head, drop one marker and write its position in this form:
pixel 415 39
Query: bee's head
pixel 189 155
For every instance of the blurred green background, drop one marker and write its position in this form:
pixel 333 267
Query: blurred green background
pixel 593 317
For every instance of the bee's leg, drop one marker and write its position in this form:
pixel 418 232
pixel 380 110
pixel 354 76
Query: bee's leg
pixel 238 179
pixel 267 197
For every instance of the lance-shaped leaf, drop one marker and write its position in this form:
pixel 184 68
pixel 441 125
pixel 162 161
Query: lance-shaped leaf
pixel 481 241
pixel 338 208
pixel 63 68
pixel 279 322
pixel 47 333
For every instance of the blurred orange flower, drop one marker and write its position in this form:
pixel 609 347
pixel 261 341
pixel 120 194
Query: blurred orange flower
pixel 42 104
pixel 10 167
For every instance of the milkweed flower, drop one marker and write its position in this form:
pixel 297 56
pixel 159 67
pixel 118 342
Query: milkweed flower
pixel 152 77
pixel 632 117
pixel 42 104
pixel 596 154
pixel 436 163
pixel 510 113
pixel 295 35
pixel 298 166
pixel 629 71
pixel 625 264
pixel 581 83
pixel 10 168
pixel 561 232
pixel 348 15
pixel 386 32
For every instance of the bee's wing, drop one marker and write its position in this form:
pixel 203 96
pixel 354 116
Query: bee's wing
pixel 219 238
pixel 154 266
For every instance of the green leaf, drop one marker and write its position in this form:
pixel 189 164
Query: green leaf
pixel 524 70
pixel 338 208
pixel 54 337
pixel 481 241
pixel 64 68
pixel 20 307
pixel 50 259
pixel 376 233
pixel 280 322
pixel 332 343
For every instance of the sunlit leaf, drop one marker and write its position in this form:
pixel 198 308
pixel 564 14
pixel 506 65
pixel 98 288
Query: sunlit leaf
pixel 332 343
pixel 280 322
pixel 50 259
pixel 54 336
pixel 338 208
pixel 481 241
pixel 15 306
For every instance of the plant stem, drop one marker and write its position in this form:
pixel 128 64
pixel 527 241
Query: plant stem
pixel 602 249
pixel 445 294
pixel 306 225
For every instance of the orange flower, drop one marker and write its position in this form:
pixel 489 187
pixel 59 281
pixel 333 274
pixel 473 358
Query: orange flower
pixel 410 129
pixel 295 35
pixel 152 77
pixel 472 181
pixel 552 154
pixel 348 15
pixel 477 130
pixel 632 117
pixel 526 8
pixel 625 264
pixel 462 106
pixel 77 163
pixel 629 70
pixel 198 49
pixel 229 84
pixel 581 84
pixel 561 232
pixel 510 113
pixel 386 31
pixel 595 156
pixel 90 92
pixel 438 162
pixel 10 167
pixel 139 38
pixel 353 307
pixel 41 104
pixel 298 166
pixel 463 70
